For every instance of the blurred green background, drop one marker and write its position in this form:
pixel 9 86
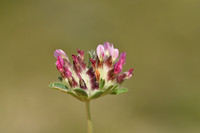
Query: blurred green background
pixel 162 41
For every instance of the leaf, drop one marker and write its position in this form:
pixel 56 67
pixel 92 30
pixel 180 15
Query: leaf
pixel 119 91
pixel 63 88
pixel 97 94
pixel 59 86
pixel 81 92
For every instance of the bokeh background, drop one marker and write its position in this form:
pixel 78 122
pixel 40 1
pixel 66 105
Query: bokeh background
pixel 162 41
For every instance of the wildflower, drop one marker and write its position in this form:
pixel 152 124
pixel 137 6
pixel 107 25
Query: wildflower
pixel 100 77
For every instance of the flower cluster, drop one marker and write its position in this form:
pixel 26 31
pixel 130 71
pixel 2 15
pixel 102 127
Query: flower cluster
pixel 102 75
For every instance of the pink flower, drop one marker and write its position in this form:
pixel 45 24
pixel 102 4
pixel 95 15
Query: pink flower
pixel 110 51
pixel 102 71
pixel 100 52
pixel 114 52
pixel 106 46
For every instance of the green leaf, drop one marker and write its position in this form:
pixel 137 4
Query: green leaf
pixel 97 94
pixel 59 86
pixel 119 91
pixel 63 88
pixel 81 92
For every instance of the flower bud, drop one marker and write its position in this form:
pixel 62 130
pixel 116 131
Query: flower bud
pixel 59 52
pixel 80 53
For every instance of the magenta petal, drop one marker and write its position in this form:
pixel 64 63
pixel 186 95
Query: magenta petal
pixel 123 58
pixel 60 63
pixel 68 73
pixel 75 58
pixel 118 67
pixel 59 52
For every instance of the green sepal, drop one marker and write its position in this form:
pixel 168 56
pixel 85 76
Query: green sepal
pixel 102 83
pixel 114 88
pixel 81 92
pixel 60 79
pixel 97 94
pixel 92 56
pixel 119 91
pixel 107 90
pixel 110 89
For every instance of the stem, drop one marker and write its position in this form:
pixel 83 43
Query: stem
pixel 89 117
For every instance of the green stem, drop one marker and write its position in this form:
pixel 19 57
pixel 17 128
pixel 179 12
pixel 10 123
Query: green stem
pixel 89 117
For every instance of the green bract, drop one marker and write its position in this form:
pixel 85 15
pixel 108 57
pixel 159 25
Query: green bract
pixel 83 95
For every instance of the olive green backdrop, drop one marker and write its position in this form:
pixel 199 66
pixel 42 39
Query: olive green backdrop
pixel 162 41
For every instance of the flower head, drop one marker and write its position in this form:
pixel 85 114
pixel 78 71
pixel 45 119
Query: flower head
pixel 102 75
